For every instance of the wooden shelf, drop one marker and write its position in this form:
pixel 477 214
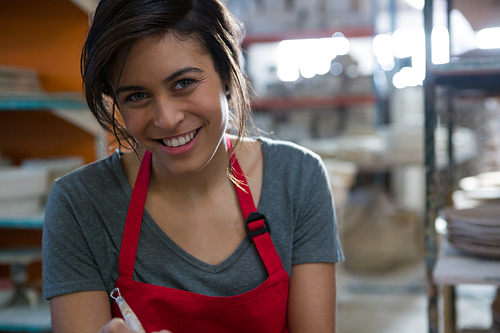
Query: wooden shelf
pixel 283 103
pixel 349 32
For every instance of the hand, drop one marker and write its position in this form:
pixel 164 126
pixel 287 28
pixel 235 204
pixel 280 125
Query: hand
pixel 117 325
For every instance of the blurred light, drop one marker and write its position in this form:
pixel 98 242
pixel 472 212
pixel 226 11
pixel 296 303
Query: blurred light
pixel 383 46
pixel 488 38
pixel 287 69
pixel 441 225
pixel 336 68
pixel 309 57
pixel 490 103
pixel 383 49
pixel 407 77
pixel 417 4
pixel 341 45
pixel 440 45
pixel 407 41
pixel 288 74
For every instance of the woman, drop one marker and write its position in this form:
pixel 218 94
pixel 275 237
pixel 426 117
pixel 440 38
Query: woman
pixel 174 224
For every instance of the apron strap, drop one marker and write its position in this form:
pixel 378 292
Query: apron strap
pixel 255 223
pixel 133 223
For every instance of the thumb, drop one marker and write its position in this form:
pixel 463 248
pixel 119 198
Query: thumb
pixel 116 325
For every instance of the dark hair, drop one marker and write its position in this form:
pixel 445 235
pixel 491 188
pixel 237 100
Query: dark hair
pixel 118 23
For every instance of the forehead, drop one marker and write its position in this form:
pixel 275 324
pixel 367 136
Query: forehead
pixel 166 52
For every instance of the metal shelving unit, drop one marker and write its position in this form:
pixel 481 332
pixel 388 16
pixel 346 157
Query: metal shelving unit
pixel 445 266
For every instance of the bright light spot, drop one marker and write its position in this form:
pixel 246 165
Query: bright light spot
pixel 488 38
pixel 417 4
pixel 441 225
pixel 383 48
pixel 287 58
pixel 383 45
pixel 440 45
pixel 336 68
pixel 288 74
pixel 407 41
pixel 490 103
pixel 388 66
pixel 407 77
pixel 341 45
pixel 308 72
pixel 309 57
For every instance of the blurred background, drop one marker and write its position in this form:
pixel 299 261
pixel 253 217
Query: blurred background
pixel 399 98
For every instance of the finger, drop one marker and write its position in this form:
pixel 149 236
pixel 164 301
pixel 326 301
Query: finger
pixel 116 325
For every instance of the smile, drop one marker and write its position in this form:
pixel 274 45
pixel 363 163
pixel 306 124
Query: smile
pixel 180 140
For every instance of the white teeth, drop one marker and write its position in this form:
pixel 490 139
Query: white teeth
pixel 182 140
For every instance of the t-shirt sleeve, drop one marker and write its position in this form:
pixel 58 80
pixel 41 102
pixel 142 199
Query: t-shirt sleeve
pixel 315 232
pixel 68 264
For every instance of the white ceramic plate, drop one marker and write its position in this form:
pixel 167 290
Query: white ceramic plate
pixel 488 215
pixel 477 249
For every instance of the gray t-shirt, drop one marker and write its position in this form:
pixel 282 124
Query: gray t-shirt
pixel 87 209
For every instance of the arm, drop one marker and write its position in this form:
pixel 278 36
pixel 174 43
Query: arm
pixel 82 312
pixel 86 312
pixel 312 298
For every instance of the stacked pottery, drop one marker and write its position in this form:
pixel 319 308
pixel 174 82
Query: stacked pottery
pixel 474 230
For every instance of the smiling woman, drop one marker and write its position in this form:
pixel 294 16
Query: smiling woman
pixel 223 232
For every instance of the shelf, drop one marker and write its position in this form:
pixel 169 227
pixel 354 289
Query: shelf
pixel 454 267
pixel 20 256
pixel 283 103
pixel 349 32
pixel 41 101
pixel 22 222
pixel 24 318
pixel 477 69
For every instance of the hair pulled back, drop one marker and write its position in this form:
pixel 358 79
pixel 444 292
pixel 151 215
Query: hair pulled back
pixel 118 23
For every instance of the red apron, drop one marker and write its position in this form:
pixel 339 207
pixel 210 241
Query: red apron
pixel 262 309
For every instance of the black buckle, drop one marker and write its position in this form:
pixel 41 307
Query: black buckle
pixel 256 216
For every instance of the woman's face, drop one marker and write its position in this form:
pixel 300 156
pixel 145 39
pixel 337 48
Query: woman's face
pixel 173 102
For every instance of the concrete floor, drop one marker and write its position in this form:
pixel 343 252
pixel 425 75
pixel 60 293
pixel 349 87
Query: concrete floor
pixel 396 302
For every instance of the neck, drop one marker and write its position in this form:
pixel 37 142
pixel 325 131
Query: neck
pixel 192 187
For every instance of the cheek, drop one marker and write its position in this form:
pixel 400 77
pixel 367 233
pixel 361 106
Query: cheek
pixel 132 121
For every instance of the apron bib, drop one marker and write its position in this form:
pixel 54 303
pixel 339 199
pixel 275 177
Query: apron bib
pixel 262 309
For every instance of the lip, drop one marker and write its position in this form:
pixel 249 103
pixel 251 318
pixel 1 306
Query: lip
pixel 181 149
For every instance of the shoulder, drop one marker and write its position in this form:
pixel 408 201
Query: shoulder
pixel 96 174
pixel 290 155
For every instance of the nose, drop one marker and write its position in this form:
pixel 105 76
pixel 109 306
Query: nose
pixel 167 114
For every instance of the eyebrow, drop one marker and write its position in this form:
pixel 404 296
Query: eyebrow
pixel 172 77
